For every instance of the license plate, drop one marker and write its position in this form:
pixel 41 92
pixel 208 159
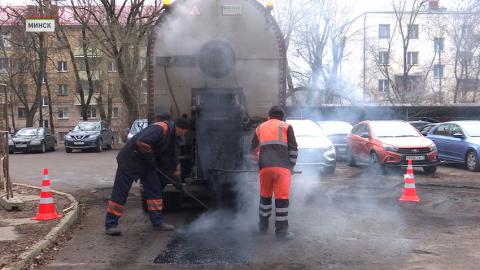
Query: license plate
pixel 415 157
pixel 78 143
pixel 21 146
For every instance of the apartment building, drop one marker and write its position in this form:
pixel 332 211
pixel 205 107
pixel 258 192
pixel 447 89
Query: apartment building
pixel 61 80
pixel 425 57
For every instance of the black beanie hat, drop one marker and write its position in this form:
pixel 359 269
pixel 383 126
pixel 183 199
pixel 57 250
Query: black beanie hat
pixel 182 123
pixel 276 112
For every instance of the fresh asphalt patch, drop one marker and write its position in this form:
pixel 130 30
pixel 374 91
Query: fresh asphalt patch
pixel 216 248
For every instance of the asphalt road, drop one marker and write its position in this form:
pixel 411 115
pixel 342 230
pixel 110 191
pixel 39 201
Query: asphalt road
pixel 352 220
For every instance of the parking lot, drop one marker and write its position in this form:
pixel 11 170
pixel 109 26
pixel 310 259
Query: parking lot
pixel 353 219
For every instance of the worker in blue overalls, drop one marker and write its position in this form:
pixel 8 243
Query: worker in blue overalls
pixel 151 148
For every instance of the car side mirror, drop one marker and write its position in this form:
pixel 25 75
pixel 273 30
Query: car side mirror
pixel 69 129
pixel 458 135
pixel 365 135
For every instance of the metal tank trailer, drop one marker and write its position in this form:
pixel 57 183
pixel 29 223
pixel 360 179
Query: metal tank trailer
pixel 223 64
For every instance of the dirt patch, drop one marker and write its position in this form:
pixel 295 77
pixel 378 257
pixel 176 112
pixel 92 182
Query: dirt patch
pixel 26 232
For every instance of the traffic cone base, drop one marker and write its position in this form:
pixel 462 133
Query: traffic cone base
pixel 46 207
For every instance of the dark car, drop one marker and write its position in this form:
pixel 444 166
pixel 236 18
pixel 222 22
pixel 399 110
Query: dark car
pixel 32 139
pixel 337 132
pixel 390 143
pixel 90 135
pixel 424 131
pixel 458 141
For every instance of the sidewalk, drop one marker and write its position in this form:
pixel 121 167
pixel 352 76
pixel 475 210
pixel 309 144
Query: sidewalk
pixel 21 238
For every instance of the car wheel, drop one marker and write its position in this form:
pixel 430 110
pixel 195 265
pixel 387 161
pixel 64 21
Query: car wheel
pixel 100 146
pixel 375 165
pixel 349 159
pixel 328 171
pixel 472 161
pixel 430 169
pixel 110 146
pixel 44 148
pixel 54 145
pixel 68 150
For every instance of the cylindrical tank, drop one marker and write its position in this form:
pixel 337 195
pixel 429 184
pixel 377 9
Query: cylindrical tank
pixel 216 44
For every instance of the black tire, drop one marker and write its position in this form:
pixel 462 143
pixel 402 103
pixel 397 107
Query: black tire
pixel 472 162
pixel 44 148
pixel 68 150
pixel 99 146
pixel 375 165
pixel 430 169
pixel 328 171
pixel 53 146
pixel 110 146
pixel 349 159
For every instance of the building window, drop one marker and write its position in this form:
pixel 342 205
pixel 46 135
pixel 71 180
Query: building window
pixel 383 86
pixel 5 40
pixel 383 58
pixel 412 31
pixel 22 67
pixel 63 113
pixel 44 101
pixel 23 89
pixel 44 79
pixel 112 89
pixel 438 71
pixel 62 66
pixel 45 124
pixel 22 113
pixel 384 31
pixel 438 44
pixel 115 112
pixel 112 66
pixel 62 90
pixel 465 58
pixel 412 58
pixel 4 65
pixel 142 61
pixel 92 112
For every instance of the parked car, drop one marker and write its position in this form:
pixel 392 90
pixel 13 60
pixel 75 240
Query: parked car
pixel 337 132
pixel 90 135
pixel 424 131
pixel 390 144
pixel 315 150
pixel 419 124
pixel 31 139
pixel 137 125
pixel 458 141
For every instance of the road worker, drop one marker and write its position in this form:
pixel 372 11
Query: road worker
pixel 275 148
pixel 149 149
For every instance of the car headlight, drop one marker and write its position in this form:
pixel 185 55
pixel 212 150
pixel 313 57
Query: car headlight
pixel 36 142
pixel 68 137
pixel 329 153
pixel 390 148
pixel 432 148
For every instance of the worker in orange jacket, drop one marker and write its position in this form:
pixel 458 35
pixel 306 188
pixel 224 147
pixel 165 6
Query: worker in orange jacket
pixel 275 147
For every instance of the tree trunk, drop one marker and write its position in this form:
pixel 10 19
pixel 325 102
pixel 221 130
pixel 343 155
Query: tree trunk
pixel 50 109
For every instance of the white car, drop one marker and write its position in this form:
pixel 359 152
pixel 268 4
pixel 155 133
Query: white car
pixel 315 150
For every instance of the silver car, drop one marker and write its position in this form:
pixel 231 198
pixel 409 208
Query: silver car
pixel 315 150
pixel 137 125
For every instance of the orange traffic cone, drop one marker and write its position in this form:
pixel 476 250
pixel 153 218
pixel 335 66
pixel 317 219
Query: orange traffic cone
pixel 46 207
pixel 409 192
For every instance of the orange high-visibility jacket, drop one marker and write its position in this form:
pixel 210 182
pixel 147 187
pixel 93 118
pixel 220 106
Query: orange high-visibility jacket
pixel 275 143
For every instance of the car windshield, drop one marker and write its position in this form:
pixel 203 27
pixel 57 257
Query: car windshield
pixel 393 129
pixel 472 129
pixel 139 125
pixel 306 128
pixel 335 127
pixel 29 132
pixel 87 126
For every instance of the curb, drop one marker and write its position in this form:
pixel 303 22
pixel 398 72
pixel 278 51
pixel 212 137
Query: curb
pixel 67 220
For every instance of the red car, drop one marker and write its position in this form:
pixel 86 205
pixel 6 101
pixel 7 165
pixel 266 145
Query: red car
pixel 390 144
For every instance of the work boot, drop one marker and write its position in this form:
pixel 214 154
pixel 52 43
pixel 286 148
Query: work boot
pixel 284 236
pixel 164 227
pixel 113 231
